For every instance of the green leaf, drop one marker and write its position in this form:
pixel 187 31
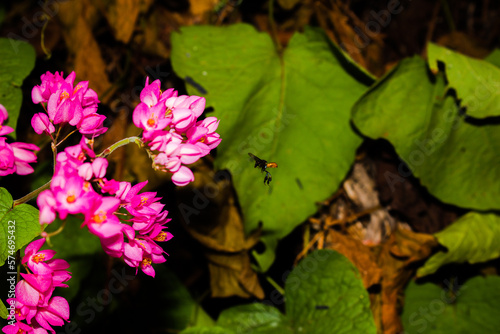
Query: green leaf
pixel 429 309
pixel 476 81
pixel 254 318
pixel 449 155
pixel 207 330
pixel 472 238
pixel 17 59
pixel 494 57
pixel 292 109
pixel 325 294
pixel 4 313
pixel 20 223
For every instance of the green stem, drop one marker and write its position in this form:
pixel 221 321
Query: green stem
pixel 447 15
pixel 119 144
pixel 276 286
pixel 42 38
pixel 274 29
pixel 32 194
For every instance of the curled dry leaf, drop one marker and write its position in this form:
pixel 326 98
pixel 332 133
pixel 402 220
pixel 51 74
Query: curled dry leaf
pixel 122 16
pixel 78 18
pixel 223 235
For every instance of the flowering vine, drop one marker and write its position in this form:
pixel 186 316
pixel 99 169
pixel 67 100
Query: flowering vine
pixel 128 222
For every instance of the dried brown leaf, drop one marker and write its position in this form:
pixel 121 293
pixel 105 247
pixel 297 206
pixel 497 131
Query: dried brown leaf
pixel 122 16
pixel 360 255
pixel 222 233
pixel 395 272
pixel 78 18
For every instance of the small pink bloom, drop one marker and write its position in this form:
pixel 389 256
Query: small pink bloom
pixel 63 108
pixel 85 171
pixel 23 157
pixel 71 198
pixel 36 259
pixel 7 159
pixel 41 123
pixel 123 189
pixel 17 328
pixel 54 314
pixel 183 176
pixel 27 294
pixel 99 166
pixel 189 153
pixel 150 119
pixel 4 129
pixel 91 123
pixel 100 217
pixel 110 186
pixel 47 204
pixel 151 93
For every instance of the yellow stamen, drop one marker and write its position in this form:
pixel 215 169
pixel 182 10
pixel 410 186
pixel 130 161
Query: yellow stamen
pixel 63 96
pixel 146 262
pixel 161 236
pixel 99 217
pixel 39 257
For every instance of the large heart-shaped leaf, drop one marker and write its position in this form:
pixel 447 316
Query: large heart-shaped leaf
pixel 453 158
pixel 472 238
pixel 476 81
pixel 473 308
pixel 19 225
pixel 324 294
pixel 17 59
pixel 291 108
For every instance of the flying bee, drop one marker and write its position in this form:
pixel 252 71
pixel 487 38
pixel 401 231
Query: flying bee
pixel 264 165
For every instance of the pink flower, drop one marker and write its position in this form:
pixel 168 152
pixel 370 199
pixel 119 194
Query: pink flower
pixel 17 328
pixel 183 176
pixel 85 171
pixel 23 156
pixel 14 158
pixel 4 129
pixel 34 302
pixel 41 123
pixel 100 217
pixel 64 108
pixel 50 84
pixel 54 314
pixel 47 204
pixel 35 258
pixel 150 95
pixel 99 166
pixel 123 189
pixel 67 104
pixel 204 132
pixel 150 119
pixel 185 110
pixel 71 198
pixel 7 159
pixel 110 186
pixel 92 124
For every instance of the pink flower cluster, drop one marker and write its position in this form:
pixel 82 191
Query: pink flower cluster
pixel 14 157
pixel 34 303
pixel 171 128
pixel 66 104
pixel 77 172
